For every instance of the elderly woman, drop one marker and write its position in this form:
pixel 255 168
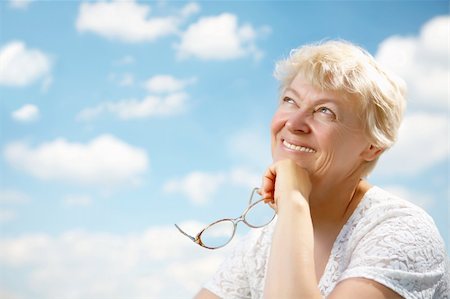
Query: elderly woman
pixel 335 235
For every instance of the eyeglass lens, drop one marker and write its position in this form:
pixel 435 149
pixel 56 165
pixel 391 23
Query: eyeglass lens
pixel 218 234
pixel 259 215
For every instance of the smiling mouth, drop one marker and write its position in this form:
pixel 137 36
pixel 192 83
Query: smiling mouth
pixel 298 148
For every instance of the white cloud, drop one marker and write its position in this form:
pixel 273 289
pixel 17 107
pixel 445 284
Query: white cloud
pixel 167 84
pixel 423 142
pixel 423 62
pixel 151 106
pixel 26 113
pixel 20 4
pixel 21 66
pixel 156 263
pixel 128 21
pixel 219 38
pixel 198 187
pixel 105 161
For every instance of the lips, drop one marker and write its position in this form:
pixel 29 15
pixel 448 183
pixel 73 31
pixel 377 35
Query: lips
pixel 298 148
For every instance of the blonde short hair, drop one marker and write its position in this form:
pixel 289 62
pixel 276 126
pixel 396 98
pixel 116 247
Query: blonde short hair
pixel 338 65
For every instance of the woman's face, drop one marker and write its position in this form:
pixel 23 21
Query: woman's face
pixel 319 130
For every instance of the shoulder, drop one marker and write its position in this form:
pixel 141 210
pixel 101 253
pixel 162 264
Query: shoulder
pixel 384 213
pixel 397 244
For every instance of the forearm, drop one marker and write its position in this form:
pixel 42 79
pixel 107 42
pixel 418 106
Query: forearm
pixel 291 269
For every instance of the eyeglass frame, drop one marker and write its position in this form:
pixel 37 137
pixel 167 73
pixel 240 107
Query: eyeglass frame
pixel 235 221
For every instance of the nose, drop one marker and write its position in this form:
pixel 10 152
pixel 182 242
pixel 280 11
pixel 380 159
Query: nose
pixel 298 122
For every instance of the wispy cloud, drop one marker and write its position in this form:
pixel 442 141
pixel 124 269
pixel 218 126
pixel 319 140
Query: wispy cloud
pixel 125 79
pixel 20 4
pixel 423 62
pixel 107 19
pixel 151 106
pixel 167 84
pixel 105 161
pixel 22 66
pixel 27 113
pixel 125 60
pixel 220 37
pixel 167 97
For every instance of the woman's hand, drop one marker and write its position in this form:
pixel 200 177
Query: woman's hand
pixel 284 183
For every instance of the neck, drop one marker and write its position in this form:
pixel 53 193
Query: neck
pixel 333 204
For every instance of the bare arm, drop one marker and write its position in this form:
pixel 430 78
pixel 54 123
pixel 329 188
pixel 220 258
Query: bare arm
pixel 292 244
pixel 293 239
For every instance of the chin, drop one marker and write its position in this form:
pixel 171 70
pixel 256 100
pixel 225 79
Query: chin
pixel 300 162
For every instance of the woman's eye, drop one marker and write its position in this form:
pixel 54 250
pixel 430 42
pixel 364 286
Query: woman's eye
pixel 288 100
pixel 326 112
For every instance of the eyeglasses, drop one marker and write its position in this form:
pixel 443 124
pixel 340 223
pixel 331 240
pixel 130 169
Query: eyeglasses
pixel 219 233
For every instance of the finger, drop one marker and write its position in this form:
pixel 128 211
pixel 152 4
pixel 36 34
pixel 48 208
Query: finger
pixel 268 182
pixel 269 200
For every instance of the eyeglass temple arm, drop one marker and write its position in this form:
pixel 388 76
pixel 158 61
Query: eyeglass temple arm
pixel 181 231
pixel 256 189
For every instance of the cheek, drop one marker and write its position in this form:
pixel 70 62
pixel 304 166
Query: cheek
pixel 278 121
pixel 276 126
pixel 346 145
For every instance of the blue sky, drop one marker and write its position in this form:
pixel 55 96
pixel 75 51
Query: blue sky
pixel 119 119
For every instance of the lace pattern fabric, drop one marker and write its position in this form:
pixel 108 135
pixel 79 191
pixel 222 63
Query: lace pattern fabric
pixel 387 239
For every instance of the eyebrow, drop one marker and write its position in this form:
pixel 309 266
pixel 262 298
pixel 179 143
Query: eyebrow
pixel 293 91
pixel 321 100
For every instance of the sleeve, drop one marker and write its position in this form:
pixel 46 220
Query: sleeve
pixel 403 251
pixel 231 279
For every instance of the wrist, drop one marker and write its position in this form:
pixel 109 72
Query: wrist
pixel 293 202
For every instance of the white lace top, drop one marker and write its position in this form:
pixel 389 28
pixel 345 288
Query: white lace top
pixel 387 239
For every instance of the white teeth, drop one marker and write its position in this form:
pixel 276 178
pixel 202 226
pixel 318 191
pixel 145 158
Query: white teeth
pixel 298 148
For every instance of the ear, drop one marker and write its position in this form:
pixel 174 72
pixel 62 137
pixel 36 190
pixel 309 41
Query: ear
pixel 371 153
